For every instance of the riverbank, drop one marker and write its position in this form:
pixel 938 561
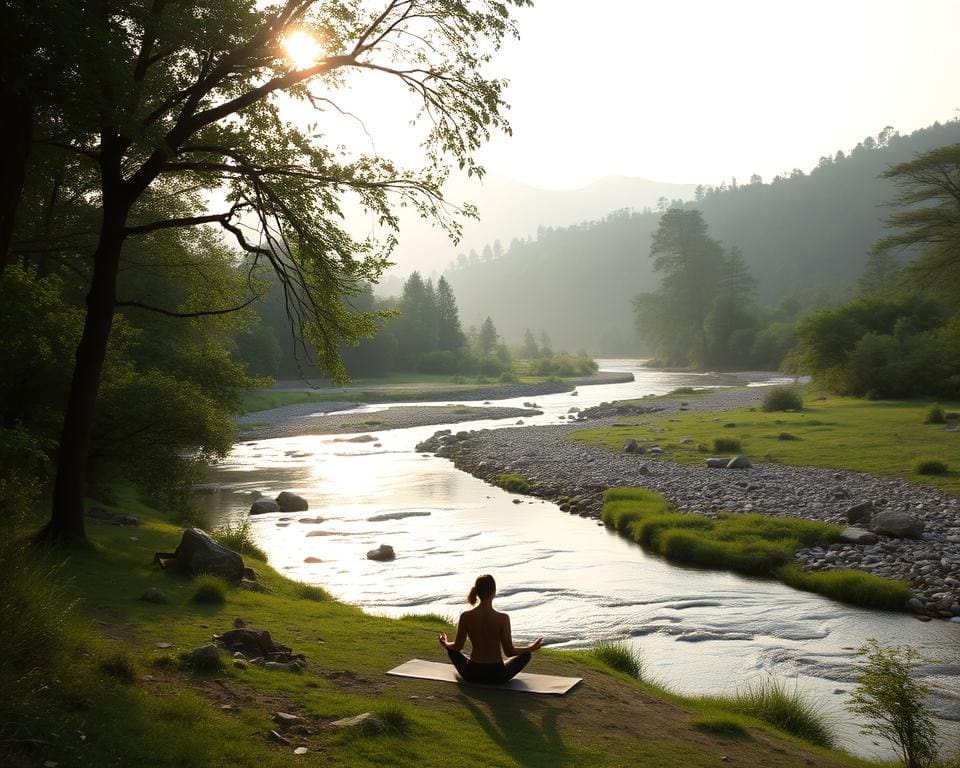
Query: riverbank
pixel 116 687
pixel 576 475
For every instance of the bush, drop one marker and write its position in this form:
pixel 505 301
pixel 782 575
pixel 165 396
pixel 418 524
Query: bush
pixel 789 711
pixel 935 415
pixel 894 703
pixel 210 589
pixel 511 482
pixel 726 445
pixel 783 399
pixel 620 656
pixel 236 536
pixel 930 467
pixel 508 377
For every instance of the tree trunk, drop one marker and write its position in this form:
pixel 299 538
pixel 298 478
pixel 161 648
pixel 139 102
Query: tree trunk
pixel 16 129
pixel 66 519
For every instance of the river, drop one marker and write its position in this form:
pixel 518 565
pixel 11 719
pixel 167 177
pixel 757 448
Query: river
pixel 561 576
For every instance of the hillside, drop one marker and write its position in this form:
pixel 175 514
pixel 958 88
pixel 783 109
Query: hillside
pixel 804 233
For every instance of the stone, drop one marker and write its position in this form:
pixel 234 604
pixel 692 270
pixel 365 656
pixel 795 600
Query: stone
pixel 285 666
pixel 858 536
pixel 894 522
pixel 239 664
pixel 300 751
pixel 311 560
pixel 290 502
pixel 643 469
pixel 860 513
pixel 204 657
pixel 739 462
pixel 382 553
pixel 719 462
pixel 285 719
pixel 278 738
pixel 632 446
pixel 264 507
pixel 153 595
pixel 198 552
pixel 366 720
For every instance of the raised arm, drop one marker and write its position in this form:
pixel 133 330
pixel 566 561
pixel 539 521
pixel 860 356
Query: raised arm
pixel 506 641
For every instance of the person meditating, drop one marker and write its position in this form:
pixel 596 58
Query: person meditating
pixel 488 631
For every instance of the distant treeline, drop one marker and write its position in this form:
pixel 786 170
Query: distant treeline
pixel 804 237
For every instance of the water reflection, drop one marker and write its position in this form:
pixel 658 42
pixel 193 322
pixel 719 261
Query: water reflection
pixel 561 576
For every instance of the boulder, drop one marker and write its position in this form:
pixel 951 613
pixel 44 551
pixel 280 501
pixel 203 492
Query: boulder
pixel 199 553
pixel 739 462
pixel 205 657
pixel 858 536
pixel 290 502
pixel 264 507
pixel 860 513
pixel 254 643
pixel 632 446
pixel 382 553
pixel 719 462
pixel 894 522
pixel 366 721
pixel 153 595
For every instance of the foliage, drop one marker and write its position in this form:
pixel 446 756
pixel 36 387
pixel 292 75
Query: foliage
pixel 930 467
pixel 236 536
pixel 935 415
pixel 726 445
pixel 770 701
pixel 894 703
pixel 512 482
pixel 781 398
pixel 313 592
pixel 621 656
pixel 210 589
pixel 563 365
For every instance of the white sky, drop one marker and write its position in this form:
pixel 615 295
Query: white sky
pixel 702 90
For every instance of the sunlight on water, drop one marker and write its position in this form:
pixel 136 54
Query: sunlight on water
pixel 559 575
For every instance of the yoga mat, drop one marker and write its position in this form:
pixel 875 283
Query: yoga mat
pixel 447 673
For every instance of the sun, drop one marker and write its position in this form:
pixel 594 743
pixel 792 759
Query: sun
pixel 302 49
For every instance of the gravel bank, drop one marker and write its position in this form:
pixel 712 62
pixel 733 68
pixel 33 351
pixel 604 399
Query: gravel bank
pixel 560 470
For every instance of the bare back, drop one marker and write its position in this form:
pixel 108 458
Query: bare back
pixel 489 631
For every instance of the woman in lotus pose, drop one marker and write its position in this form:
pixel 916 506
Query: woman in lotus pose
pixel 488 631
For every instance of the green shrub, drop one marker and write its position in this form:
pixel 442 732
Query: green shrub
pixel 771 702
pixel 508 377
pixel 395 719
pixel 724 727
pixel 850 586
pixel 511 482
pixel 312 592
pixel 620 656
pixel 726 445
pixel 930 467
pixel 894 702
pixel 783 398
pixel 236 536
pixel 210 589
pixel 121 666
pixel 935 415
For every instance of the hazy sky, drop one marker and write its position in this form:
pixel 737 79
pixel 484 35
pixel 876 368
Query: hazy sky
pixel 702 90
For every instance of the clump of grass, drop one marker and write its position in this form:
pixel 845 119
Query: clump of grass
pixel 935 415
pixel 121 666
pixel 729 425
pixel 210 589
pixel 511 482
pixel 783 399
pixel 771 702
pixel 722 726
pixel 787 436
pixel 619 656
pixel 682 391
pixel 312 592
pixel 726 445
pixel 930 467
pixel 428 618
pixel 849 586
pixel 236 536
pixel 394 718
pixel 624 506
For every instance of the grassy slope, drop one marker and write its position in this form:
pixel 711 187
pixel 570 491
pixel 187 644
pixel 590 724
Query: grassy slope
pixel 884 437
pixel 173 717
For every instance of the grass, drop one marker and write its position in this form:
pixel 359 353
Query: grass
pixel 513 483
pixel 882 437
pixel 236 536
pixel 721 726
pixel 930 467
pixel 619 656
pixel 770 701
pixel 210 589
pixel 75 704
pixel 312 592
pixel 726 444
pixel 746 543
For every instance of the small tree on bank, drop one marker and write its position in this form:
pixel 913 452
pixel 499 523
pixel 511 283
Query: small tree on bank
pixel 894 703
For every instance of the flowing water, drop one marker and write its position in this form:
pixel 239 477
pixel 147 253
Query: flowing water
pixel 560 576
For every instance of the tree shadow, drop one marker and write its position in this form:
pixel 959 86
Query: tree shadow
pixel 523 727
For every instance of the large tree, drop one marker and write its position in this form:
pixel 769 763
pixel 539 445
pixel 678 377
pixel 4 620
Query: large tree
pixel 157 107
